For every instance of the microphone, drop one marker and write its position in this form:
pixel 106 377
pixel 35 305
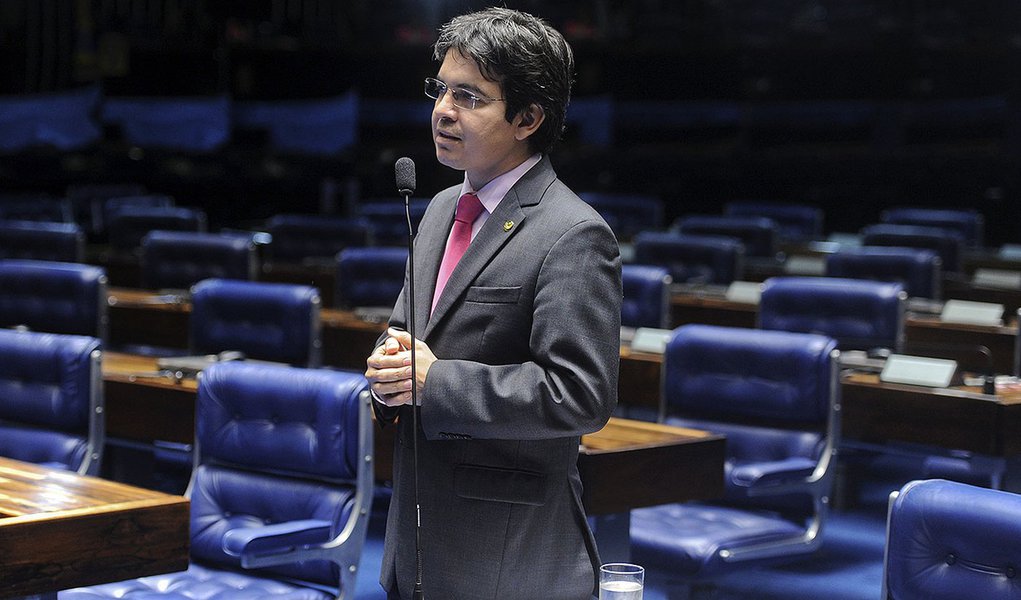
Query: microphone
pixel 404 173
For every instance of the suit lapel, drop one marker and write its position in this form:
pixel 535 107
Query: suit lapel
pixel 499 229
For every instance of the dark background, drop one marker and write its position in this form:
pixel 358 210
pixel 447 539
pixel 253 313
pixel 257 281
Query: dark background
pixel 851 105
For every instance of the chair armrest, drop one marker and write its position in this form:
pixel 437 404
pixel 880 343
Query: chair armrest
pixel 277 543
pixel 794 470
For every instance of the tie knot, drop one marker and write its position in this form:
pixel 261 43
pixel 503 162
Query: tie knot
pixel 469 207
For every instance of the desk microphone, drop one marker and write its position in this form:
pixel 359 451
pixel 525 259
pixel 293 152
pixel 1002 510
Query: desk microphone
pixel 404 171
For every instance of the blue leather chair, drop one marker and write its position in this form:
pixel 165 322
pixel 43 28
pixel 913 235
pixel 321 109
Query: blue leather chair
pixel 692 258
pixel 947 540
pixel 860 314
pixel 180 259
pixel 51 405
pixel 758 234
pixel 281 489
pixel 919 270
pixel 370 277
pixel 317 127
pixel 87 202
pixel 189 124
pixel 388 219
pixel 35 207
pixel 970 224
pixel 266 321
pixel 774 395
pixel 795 222
pixel 107 207
pixel 946 242
pixel 629 213
pixel 646 296
pixel 42 240
pixel 128 225
pixel 296 238
pixel 53 297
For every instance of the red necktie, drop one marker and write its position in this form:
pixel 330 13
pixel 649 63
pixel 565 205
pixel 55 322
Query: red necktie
pixel 468 209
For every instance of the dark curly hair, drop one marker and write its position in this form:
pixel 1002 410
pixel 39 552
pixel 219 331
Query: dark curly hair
pixel 524 54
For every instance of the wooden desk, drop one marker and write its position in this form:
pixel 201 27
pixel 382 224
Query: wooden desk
pixel 958 418
pixel 60 530
pixel 140 317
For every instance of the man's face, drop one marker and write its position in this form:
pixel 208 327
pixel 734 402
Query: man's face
pixel 480 141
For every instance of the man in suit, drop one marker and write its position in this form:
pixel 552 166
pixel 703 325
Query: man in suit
pixel 518 349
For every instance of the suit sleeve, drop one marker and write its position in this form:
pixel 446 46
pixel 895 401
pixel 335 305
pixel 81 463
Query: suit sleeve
pixel 568 386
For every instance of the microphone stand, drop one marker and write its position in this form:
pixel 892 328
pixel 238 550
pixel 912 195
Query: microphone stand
pixel 418 593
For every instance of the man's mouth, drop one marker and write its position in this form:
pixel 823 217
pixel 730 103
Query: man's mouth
pixel 447 136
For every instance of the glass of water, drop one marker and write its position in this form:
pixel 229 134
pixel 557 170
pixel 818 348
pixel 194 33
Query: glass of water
pixel 621 581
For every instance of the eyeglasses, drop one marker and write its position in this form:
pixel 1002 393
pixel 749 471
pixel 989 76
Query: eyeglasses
pixel 462 98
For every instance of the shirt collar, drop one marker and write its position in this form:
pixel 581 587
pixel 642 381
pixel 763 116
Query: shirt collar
pixel 493 192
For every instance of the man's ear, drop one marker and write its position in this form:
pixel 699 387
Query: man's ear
pixel 528 121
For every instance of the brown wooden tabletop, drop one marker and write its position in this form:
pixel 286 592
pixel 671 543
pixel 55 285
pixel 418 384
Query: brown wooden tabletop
pixel 60 530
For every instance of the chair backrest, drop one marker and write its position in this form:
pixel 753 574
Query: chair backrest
pixel 298 237
pixel 861 314
pixel 51 406
pixel 629 213
pixel 370 276
pixel 772 393
pixel 646 296
pixel 35 207
pixel 42 240
pixel 180 259
pixel 692 258
pixel 284 449
pixel 970 224
pixel 266 321
pixel 388 219
pixel 128 225
pixel 758 234
pixel 946 242
pixel 948 540
pixel 919 270
pixel 186 124
pixel 318 127
pixel 794 221
pixel 54 297
pixel 87 202
pixel 109 206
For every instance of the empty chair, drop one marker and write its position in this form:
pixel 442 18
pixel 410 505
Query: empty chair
pixel 919 270
pixel 42 240
pixel 88 199
pixel 795 222
pixel 108 206
pixel 758 234
pixel 180 259
pixel 281 489
pixel 321 126
pixel 370 277
pixel 774 395
pixel 190 124
pixel 860 314
pixel 51 407
pixel 296 238
pixel 388 220
pixel 692 258
pixel 265 321
pixel 53 297
pixel 947 243
pixel 59 120
pixel 646 296
pixel 129 225
pixel 35 207
pixel 970 224
pixel 629 213
pixel 947 540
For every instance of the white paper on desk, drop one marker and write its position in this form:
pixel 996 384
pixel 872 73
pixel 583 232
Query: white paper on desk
pixel 805 265
pixel 972 313
pixel 918 370
pixel 997 278
pixel 650 339
pixel 1010 252
pixel 745 292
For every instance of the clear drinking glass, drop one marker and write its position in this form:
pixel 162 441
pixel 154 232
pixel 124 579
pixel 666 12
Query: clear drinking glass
pixel 621 581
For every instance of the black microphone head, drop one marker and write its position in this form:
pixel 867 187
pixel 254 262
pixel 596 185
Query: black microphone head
pixel 404 169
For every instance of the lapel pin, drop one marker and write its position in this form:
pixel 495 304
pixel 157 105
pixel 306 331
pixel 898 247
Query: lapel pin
pixel 507 225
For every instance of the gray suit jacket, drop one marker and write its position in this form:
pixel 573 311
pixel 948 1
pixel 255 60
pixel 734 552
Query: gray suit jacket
pixel 528 336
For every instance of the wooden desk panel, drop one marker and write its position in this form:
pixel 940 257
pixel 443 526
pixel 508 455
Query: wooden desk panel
pixel 147 318
pixel 631 464
pixel 60 530
pixel 143 405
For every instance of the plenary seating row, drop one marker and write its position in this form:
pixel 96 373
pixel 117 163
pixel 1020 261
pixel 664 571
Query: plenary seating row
pixel 280 490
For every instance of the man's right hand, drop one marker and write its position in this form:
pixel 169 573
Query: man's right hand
pixel 389 371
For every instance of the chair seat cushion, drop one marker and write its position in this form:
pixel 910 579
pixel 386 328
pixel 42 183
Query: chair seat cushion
pixel 197 583
pixel 686 538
